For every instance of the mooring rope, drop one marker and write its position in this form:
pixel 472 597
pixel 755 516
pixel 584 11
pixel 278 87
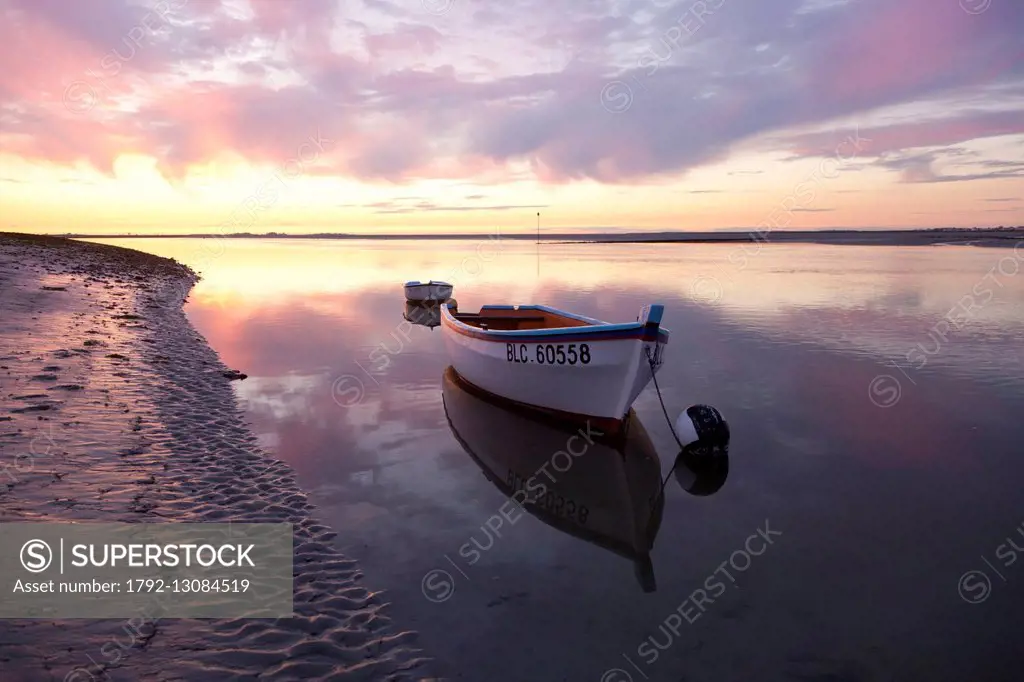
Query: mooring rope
pixel 664 410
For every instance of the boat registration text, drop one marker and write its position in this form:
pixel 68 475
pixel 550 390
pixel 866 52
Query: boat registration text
pixel 549 353
pixel 537 495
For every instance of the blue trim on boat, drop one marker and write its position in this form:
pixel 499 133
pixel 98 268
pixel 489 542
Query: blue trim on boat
pixel 651 314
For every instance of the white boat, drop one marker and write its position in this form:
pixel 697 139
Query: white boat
pixel 556 360
pixel 428 291
pixel 600 489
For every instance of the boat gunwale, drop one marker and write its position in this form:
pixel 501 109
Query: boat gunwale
pixel 594 328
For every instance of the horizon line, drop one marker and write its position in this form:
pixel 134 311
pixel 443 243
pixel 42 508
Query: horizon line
pixel 531 235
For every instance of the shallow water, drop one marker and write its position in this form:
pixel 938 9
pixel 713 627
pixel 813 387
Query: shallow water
pixel 873 394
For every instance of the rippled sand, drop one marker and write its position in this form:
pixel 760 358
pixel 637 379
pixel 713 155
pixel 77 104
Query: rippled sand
pixel 113 408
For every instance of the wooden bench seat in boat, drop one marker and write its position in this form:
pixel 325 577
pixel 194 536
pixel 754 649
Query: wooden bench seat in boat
pixel 518 319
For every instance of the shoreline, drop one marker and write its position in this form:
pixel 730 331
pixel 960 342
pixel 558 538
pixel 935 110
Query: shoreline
pixel 113 408
pixel 1004 237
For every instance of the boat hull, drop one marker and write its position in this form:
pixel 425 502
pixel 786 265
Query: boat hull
pixel 428 291
pixel 593 372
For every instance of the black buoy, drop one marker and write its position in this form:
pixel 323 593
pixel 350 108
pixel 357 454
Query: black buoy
pixel 702 425
pixel 702 464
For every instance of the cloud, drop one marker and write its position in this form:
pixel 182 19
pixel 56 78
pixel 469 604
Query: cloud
pixel 404 38
pixel 403 95
pixel 920 166
pixel 426 206
pixel 968 177
pixel 960 127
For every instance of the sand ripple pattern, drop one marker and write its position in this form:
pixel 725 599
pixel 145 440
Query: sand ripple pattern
pixel 113 408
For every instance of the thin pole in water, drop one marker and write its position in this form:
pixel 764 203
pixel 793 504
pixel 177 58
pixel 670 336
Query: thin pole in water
pixel 538 243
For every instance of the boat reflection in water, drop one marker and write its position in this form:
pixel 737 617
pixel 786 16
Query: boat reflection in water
pixel 604 490
pixel 423 315
pixel 426 313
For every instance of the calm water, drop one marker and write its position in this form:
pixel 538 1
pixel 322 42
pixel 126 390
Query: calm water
pixel 876 444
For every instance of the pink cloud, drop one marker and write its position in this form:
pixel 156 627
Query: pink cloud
pixel 68 140
pixel 39 60
pixel 943 132
pixel 405 38
pixel 895 46
pixel 388 124
pixel 274 16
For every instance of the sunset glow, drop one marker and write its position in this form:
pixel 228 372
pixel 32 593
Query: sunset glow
pixel 390 116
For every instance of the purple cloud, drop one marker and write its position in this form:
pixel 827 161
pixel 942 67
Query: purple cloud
pixel 403 93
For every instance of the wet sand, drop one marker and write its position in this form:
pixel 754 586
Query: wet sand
pixel 114 409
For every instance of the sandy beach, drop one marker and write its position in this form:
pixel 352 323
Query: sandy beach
pixel 114 409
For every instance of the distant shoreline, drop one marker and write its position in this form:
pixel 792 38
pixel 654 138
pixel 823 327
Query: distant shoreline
pixel 1008 236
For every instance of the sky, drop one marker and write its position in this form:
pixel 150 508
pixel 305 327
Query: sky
pixel 410 116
